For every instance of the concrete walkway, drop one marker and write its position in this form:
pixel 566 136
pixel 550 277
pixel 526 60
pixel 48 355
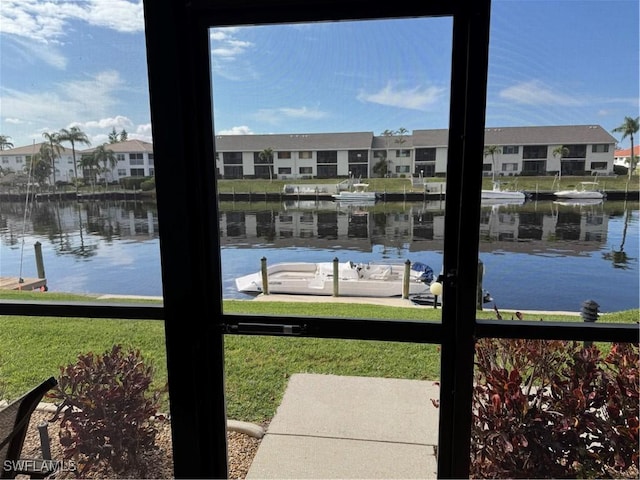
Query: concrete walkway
pixel 337 427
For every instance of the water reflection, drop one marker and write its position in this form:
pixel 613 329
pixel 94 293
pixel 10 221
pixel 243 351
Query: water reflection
pixel 540 255
pixel 535 228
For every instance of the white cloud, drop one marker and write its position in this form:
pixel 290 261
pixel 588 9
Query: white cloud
pixel 418 98
pixel 118 122
pixel 48 21
pixel 535 92
pixel 144 130
pixel 66 103
pixel 275 115
pixel 240 130
pixel 15 121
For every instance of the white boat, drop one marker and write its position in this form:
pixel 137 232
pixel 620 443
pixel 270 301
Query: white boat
pixel 359 193
pixel 584 190
pixel 498 193
pixel 354 279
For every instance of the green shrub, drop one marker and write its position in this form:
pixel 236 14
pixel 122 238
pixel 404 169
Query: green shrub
pixel 133 183
pixel 148 185
pixel 620 170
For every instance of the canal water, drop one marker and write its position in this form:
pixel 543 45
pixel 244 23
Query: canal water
pixel 536 256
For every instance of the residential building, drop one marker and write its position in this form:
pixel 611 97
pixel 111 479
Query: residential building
pixel 521 151
pixel 622 156
pixel 16 160
pixel 134 159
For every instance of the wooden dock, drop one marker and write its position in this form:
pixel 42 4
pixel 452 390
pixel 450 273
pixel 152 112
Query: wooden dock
pixel 14 283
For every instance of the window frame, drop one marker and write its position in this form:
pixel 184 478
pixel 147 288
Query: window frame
pixel 179 83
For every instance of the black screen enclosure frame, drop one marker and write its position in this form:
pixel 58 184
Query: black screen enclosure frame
pixel 178 59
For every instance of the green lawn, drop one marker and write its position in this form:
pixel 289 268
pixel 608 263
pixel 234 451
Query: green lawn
pixel 257 368
pixel 400 185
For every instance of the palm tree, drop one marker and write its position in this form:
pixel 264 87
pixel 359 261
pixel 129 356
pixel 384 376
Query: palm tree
pixel 560 151
pixel 90 167
pixel 628 129
pixel 106 157
pixel 5 143
pixel 55 148
pixel 492 150
pixel 40 165
pixel 266 156
pixel 74 135
pixel 387 134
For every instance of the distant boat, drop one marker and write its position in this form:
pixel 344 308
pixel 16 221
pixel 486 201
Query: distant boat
pixel 584 190
pixel 359 193
pixel 499 193
pixel 354 279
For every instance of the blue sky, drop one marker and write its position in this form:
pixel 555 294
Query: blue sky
pixel 552 62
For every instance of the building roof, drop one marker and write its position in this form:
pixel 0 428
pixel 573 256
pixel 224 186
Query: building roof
pixel 552 135
pixel 626 152
pixel 126 146
pixel 31 150
pixel 431 138
pixel 295 141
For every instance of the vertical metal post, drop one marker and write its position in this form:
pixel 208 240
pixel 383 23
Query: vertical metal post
pixel 479 294
pixel 336 288
pixel 405 279
pixel 45 444
pixel 265 276
pixel 39 262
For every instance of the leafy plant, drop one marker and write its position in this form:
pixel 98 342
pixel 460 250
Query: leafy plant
pixel 554 409
pixel 106 411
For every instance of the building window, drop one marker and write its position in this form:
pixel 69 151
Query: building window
pixel 284 170
pixel 509 167
pixel 425 154
pixel 403 153
pixel 232 158
pixel 330 156
pixel 534 151
pixel 510 149
pixel 120 157
pixel 152 172
pixel 5 160
pixel 599 165
pixel 600 148
pixel 137 172
pixel 261 160
pixel 576 151
pixel 358 156
pixel 306 170
pixel 402 169
pixel 284 155
pixel 136 159
pixel 122 172
pixel 306 155
pixel 379 154
pixel 150 157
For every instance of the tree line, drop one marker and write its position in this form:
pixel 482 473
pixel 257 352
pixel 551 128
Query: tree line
pixel 41 165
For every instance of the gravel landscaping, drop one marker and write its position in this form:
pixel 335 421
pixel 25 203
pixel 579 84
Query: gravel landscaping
pixel 159 463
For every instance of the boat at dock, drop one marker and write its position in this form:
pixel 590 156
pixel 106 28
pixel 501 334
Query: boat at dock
pixel 499 193
pixel 353 279
pixel 359 193
pixel 583 191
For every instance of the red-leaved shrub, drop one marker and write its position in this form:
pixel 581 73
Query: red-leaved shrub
pixel 554 409
pixel 106 413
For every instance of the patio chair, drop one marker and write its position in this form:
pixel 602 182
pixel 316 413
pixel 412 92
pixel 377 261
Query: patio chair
pixel 14 421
